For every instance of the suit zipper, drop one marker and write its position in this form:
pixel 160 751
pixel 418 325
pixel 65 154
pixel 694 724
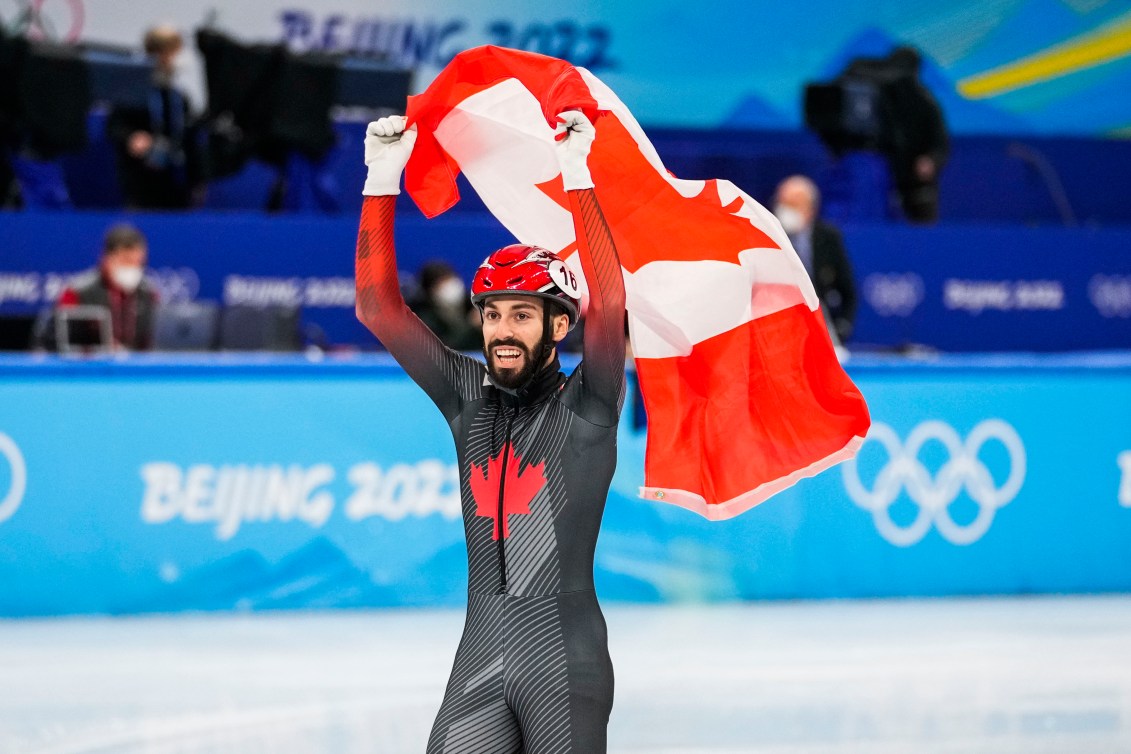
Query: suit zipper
pixel 502 489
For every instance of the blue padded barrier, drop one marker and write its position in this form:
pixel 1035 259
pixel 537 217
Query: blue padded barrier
pixel 162 484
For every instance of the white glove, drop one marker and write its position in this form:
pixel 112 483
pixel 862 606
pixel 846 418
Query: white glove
pixel 574 136
pixel 387 148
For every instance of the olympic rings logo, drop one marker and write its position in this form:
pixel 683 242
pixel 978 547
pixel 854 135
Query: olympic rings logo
pixel 934 494
pixel 18 484
pixel 174 284
pixel 894 294
pixel 61 21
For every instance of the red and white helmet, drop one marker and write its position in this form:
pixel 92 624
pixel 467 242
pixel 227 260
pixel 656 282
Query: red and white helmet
pixel 525 270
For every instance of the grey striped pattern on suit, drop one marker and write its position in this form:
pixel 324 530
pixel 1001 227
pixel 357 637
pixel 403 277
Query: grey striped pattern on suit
pixel 511 666
pixel 532 550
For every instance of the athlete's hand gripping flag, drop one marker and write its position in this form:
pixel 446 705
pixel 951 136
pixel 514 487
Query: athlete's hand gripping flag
pixel 387 148
pixel 744 393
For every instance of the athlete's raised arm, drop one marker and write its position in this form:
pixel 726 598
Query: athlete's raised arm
pixel 603 345
pixel 380 306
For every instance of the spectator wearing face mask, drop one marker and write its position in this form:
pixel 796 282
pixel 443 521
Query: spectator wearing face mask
pixel 444 305
pixel 118 283
pixel 821 248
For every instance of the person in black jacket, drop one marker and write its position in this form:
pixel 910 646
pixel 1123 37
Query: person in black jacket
pixel 821 248
pixel 119 286
pixel 155 144
pixel 918 144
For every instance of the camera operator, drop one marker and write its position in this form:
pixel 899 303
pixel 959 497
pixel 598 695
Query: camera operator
pixel 919 145
pixel 881 105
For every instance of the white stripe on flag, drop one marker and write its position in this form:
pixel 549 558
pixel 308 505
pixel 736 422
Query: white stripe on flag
pixel 505 149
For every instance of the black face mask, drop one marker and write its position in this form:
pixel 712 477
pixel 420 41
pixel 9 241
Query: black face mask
pixel 511 379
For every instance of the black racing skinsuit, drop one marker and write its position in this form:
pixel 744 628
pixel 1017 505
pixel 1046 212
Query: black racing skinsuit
pixel 532 673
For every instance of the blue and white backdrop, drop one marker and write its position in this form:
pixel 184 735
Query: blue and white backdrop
pixel 165 485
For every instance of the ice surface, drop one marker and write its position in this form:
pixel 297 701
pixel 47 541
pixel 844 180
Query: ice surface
pixel 1002 675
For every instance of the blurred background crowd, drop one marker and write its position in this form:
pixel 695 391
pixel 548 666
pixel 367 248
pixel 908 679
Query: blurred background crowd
pixel 195 120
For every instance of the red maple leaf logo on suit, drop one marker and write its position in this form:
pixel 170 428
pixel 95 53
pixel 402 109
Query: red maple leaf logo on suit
pixel 519 488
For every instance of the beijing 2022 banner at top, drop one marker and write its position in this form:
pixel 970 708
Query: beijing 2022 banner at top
pixel 996 66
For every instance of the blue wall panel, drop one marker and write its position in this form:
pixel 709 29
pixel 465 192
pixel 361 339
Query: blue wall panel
pixel 164 485
pixel 954 287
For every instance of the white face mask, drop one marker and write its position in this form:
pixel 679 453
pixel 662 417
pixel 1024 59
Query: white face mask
pixel 451 292
pixel 791 220
pixel 127 278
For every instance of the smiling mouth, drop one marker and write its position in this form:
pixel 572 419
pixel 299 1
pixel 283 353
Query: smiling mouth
pixel 507 356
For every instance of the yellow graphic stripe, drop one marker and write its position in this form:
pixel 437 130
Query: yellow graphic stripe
pixel 1094 48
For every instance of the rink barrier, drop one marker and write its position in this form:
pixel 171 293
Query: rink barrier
pixel 258 483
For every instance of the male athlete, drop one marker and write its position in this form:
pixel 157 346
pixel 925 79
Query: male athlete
pixel 536 455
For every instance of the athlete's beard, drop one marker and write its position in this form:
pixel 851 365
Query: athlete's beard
pixel 512 379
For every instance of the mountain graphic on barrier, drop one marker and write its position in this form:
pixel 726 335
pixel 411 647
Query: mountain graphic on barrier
pixel 317 575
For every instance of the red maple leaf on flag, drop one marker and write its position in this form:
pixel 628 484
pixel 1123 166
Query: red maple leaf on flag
pixel 519 487
pixel 650 220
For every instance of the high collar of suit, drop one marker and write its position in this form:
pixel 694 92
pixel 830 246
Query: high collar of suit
pixel 545 381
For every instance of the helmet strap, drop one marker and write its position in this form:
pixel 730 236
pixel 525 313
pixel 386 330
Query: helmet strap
pixel 547 333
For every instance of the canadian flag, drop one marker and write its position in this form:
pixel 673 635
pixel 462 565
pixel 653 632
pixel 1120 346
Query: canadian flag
pixel 740 380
